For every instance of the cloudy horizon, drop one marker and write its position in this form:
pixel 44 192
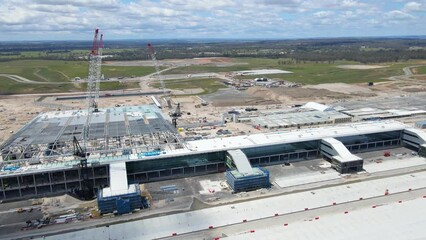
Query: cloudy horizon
pixel 198 19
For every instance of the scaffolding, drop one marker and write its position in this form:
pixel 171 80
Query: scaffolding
pixel 114 132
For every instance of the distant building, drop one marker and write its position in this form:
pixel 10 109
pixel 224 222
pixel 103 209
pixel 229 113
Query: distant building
pixel 421 124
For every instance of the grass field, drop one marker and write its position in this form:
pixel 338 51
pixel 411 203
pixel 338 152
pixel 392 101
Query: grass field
pixel 45 71
pixel 421 70
pixel 8 86
pixel 306 73
pixel 208 85
pixel 64 71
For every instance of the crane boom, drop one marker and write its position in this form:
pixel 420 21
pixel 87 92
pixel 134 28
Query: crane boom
pixel 86 188
pixel 99 66
pixel 157 75
pixel 92 85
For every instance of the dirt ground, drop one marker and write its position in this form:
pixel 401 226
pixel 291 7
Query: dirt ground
pixel 232 97
pixel 16 112
pixel 295 95
pixel 361 67
pixel 342 88
pixel 214 61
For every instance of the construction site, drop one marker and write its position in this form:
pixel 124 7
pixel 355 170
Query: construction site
pixel 173 157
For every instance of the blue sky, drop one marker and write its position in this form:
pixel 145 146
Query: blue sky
pixel 149 19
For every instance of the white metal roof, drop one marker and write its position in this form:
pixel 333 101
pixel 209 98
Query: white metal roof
pixel 420 134
pixel 343 153
pixel 317 106
pixel 241 162
pixel 299 135
pixel 118 177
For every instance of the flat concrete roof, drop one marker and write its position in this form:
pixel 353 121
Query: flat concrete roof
pixel 118 177
pixel 225 215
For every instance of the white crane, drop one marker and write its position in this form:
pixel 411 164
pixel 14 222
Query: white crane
pixel 157 75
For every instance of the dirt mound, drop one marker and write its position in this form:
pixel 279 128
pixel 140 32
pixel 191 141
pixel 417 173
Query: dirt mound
pixel 64 201
pixel 197 204
pixel 61 204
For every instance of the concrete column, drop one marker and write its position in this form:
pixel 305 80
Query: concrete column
pixel 65 181
pixel 19 186
pixel 2 186
pixel 79 177
pixel 35 184
pixel 93 172
pixel 50 181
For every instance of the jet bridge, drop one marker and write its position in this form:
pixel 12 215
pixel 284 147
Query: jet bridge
pixel 242 176
pixel 341 159
pixel 415 138
pixel 240 161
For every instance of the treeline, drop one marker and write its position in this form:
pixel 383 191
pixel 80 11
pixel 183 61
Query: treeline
pixel 365 50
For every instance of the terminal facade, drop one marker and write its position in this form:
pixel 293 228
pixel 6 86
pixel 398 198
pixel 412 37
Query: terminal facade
pixel 338 144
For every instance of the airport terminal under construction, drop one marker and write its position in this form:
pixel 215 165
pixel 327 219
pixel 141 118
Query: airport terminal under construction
pixel 39 159
pixel 207 170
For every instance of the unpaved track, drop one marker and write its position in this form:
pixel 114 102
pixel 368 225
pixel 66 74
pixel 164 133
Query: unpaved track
pixel 20 79
pixel 407 74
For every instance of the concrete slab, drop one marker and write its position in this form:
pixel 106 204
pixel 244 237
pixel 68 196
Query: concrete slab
pixel 387 165
pixel 306 178
pixel 166 226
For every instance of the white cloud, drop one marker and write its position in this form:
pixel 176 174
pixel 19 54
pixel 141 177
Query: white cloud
pixel 397 15
pixel 350 3
pixel 323 14
pixel 413 7
pixel 200 18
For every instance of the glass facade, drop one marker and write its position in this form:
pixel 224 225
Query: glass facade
pixel 367 138
pixel 281 149
pixel 360 143
pixel 276 154
pixel 175 162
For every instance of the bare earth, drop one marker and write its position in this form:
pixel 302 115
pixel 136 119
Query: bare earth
pixel 341 87
pixel 361 67
pixel 215 61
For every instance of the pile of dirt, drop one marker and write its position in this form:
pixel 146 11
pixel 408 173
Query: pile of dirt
pixel 60 201
pixel 61 204
pixel 197 204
